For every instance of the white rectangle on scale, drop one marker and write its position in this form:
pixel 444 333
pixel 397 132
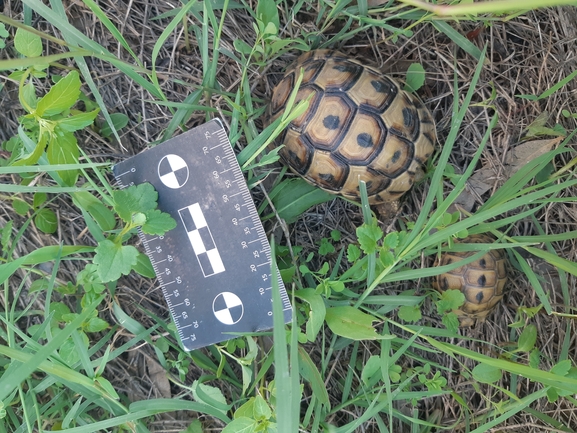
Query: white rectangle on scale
pixel 201 240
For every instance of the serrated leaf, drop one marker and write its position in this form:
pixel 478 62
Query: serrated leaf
pixel 485 373
pixel 62 96
pixel 157 222
pixel 351 323
pixel 136 198
pixel 562 367
pixel 28 44
pixel 527 338
pixel 96 324
pixel 450 300
pixel 353 253
pixel 451 322
pixel 410 313
pixel 46 221
pixel 368 236
pixel 114 260
pixel 415 77
pixel 77 121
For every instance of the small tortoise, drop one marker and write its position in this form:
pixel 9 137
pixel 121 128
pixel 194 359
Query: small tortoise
pixel 481 281
pixel 360 125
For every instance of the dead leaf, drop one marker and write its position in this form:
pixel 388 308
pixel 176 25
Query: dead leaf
pixel 484 179
pixel 528 151
pixel 157 374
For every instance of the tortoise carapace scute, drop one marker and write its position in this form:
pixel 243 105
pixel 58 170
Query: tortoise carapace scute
pixel 482 281
pixel 359 125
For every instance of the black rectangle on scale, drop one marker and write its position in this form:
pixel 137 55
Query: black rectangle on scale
pixel 214 268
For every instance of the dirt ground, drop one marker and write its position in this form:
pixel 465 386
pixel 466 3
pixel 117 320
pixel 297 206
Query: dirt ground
pixel 526 55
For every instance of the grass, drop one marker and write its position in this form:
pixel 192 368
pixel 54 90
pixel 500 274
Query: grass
pixel 69 336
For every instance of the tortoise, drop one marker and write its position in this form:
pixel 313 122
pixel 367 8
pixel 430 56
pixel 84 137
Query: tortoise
pixel 359 125
pixel 481 281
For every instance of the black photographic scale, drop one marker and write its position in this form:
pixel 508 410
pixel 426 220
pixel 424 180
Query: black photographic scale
pixel 214 268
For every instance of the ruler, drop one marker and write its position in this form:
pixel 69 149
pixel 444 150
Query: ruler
pixel 214 268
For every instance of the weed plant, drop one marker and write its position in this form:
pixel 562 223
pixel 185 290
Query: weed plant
pixel 56 352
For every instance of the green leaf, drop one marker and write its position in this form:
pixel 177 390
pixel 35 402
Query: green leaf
pixel 96 324
pixel 46 221
pixel 353 253
pixel 105 385
pixel 103 216
pixel 326 247
pixel 317 312
pixel 351 323
pixel 62 96
pixel 144 267
pixel 451 321
pixel 294 196
pixel 157 222
pixel 39 199
pixel 562 367
pixel 6 235
pixel 63 149
pixel 28 97
pixel 310 372
pixel 119 120
pixel 114 260
pixel 241 425
pixel 33 157
pixel 267 13
pixel 261 408
pixel 527 339
pixel 485 373
pixel 28 44
pixel 20 206
pixel 415 77
pixel 38 285
pixel 372 367
pixel 450 300
pixel 58 309
pixel 410 313
pixel 368 236
pixel 136 198
pixel 77 121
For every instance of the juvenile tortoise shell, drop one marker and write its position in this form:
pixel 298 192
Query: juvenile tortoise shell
pixel 360 125
pixel 481 281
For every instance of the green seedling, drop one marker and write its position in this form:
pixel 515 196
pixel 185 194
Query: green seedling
pixel 51 120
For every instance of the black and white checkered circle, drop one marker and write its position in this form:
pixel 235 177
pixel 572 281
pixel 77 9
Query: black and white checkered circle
pixel 173 171
pixel 227 308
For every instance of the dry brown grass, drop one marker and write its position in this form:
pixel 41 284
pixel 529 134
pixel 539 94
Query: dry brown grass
pixel 526 55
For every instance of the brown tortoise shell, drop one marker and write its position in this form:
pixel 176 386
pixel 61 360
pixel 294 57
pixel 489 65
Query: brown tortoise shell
pixel 481 281
pixel 360 125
